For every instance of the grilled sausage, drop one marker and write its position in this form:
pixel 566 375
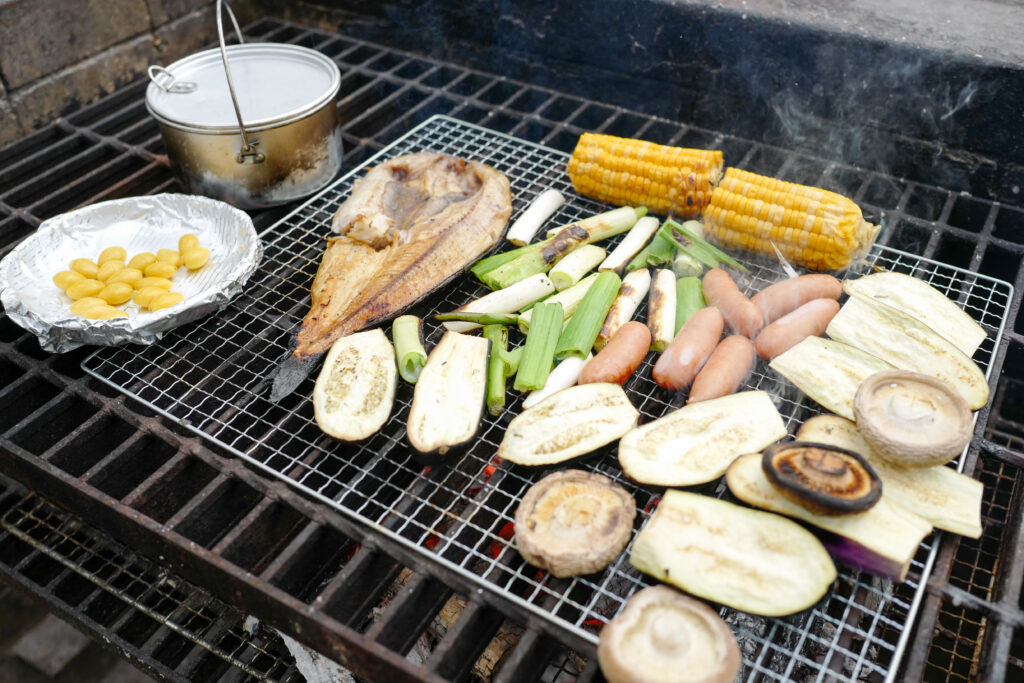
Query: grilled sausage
pixel 725 370
pixel 810 320
pixel 775 301
pixel 689 350
pixel 620 357
pixel 740 314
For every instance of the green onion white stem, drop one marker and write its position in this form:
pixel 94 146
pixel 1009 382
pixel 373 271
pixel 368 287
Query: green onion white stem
pixel 529 222
pixel 563 376
pixel 575 265
pixel 635 240
pixel 632 292
pixel 508 300
pixel 661 309
pixel 407 332
pixel 568 298
pixel 579 335
pixel 539 348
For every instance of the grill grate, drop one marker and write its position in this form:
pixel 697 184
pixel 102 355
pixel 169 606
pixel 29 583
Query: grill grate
pixel 152 591
pixel 212 378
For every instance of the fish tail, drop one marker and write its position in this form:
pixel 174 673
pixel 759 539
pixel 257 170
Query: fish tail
pixel 289 375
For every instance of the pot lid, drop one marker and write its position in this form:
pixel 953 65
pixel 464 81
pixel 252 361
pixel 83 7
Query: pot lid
pixel 275 84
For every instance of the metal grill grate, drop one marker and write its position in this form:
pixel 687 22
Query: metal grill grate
pixel 212 378
pixel 153 591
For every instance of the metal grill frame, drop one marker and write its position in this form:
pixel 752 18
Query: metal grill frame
pixel 290 270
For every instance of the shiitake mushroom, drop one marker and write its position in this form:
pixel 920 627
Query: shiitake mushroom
pixel 574 522
pixel 912 420
pixel 822 478
pixel 665 636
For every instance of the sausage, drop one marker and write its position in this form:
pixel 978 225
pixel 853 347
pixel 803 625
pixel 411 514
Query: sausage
pixel 775 301
pixel 740 314
pixel 620 357
pixel 725 370
pixel 689 349
pixel 810 320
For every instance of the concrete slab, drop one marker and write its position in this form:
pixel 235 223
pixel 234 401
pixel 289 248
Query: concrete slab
pixel 50 645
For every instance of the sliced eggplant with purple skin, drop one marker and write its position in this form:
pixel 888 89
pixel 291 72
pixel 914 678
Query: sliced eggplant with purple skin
pixel 567 424
pixel 750 560
pixel 825 479
pixel 882 540
pixel 448 402
pixel 946 498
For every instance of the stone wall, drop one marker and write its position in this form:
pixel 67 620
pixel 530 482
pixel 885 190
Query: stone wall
pixel 57 55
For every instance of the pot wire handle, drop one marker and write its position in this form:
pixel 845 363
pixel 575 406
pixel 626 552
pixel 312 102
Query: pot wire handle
pixel 248 154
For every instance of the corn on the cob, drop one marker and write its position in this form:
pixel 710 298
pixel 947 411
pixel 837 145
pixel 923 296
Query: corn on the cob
pixel 811 227
pixel 623 171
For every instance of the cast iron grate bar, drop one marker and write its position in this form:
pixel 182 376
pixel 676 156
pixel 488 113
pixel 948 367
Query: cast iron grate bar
pixel 152 591
pixel 459 515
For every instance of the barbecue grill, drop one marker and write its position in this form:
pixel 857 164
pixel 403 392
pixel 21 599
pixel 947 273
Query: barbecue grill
pixel 225 505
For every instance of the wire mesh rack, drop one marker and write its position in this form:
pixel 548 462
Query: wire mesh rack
pixel 212 378
pixel 151 590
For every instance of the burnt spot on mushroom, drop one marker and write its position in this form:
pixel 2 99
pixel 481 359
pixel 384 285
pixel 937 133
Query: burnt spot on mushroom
pixel 822 478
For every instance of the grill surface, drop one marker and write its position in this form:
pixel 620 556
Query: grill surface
pixel 173 497
pixel 213 379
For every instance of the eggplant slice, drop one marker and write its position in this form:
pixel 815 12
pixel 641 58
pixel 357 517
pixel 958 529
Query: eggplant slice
pixel 567 424
pixel 753 561
pixel 448 401
pixel 941 495
pixel 881 540
pixel 355 390
pixel 824 479
pixel 574 522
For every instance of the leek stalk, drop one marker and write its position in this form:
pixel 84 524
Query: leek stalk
pixel 407 333
pixel 689 299
pixel 580 334
pixel 539 348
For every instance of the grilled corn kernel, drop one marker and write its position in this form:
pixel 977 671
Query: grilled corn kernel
pixel 85 267
pixel 195 258
pixel 140 261
pixel 169 256
pixel 116 293
pixel 165 300
pixel 109 268
pixel 129 275
pixel 85 303
pixel 66 278
pixel 84 288
pixel 187 242
pixel 161 282
pixel 144 295
pixel 112 254
pixel 160 269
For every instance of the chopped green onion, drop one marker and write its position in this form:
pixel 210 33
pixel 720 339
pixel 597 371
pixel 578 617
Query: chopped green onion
pixel 697 247
pixel 496 367
pixel 579 335
pixel 539 348
pixel 407 333
pixel 689 299
pixel 658 252
pixel 569 299
pixel 479 318
pixel 539 257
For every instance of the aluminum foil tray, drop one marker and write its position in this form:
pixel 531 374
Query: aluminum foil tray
pixel 214 378
pixel 138 224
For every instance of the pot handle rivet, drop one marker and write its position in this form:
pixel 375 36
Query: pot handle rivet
pixel 248 153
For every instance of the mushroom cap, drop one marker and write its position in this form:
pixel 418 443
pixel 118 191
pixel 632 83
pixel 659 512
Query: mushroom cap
pixel 912 420
pixel 574 522
pixel 823 478
pixel 665 636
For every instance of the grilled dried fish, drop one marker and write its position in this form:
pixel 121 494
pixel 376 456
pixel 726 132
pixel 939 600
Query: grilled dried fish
pixel 409 226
